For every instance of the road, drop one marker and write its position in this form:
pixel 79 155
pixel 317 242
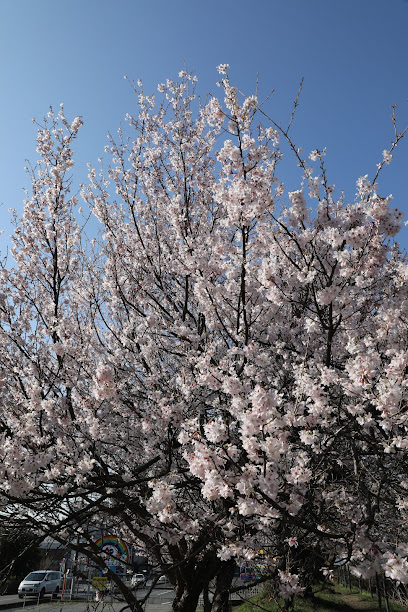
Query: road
pixel 159 601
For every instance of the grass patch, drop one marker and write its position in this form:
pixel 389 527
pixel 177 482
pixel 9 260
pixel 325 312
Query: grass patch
pixel 330 598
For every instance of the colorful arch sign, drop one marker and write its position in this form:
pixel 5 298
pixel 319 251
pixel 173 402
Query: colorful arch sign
pixel 113 548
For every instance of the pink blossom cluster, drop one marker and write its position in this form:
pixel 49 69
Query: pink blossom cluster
pixel 289 585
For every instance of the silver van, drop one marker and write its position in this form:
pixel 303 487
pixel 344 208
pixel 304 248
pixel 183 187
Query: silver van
pixel 40 583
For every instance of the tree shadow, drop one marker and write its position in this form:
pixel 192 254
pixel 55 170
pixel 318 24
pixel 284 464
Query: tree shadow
pixel 336 606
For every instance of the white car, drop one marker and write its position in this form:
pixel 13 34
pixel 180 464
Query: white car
pixel 40 583
pixel 137 579
pixel 162 579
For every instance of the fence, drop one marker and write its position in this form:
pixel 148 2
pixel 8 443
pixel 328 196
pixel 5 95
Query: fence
pixel 379 587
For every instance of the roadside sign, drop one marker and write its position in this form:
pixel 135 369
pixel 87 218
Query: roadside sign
pixel 100 583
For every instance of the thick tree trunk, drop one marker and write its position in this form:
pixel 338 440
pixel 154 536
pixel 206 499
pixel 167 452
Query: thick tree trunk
pixel 223 586
pixel 206 598
pixel 186 600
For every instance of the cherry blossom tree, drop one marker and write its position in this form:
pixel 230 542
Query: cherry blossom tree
pixel 56 424
pixel 78 447
pixel 221 373
pixel 268 312
pixel 308 434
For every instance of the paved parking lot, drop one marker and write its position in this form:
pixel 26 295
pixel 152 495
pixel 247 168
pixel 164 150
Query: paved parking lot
pixel 83 606
pixel 160 601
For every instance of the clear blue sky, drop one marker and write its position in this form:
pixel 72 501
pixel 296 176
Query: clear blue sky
pixel 353 55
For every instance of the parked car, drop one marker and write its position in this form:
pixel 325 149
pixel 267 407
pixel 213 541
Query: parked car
pixel 40 583
pixel 137 580
pixel 162 579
